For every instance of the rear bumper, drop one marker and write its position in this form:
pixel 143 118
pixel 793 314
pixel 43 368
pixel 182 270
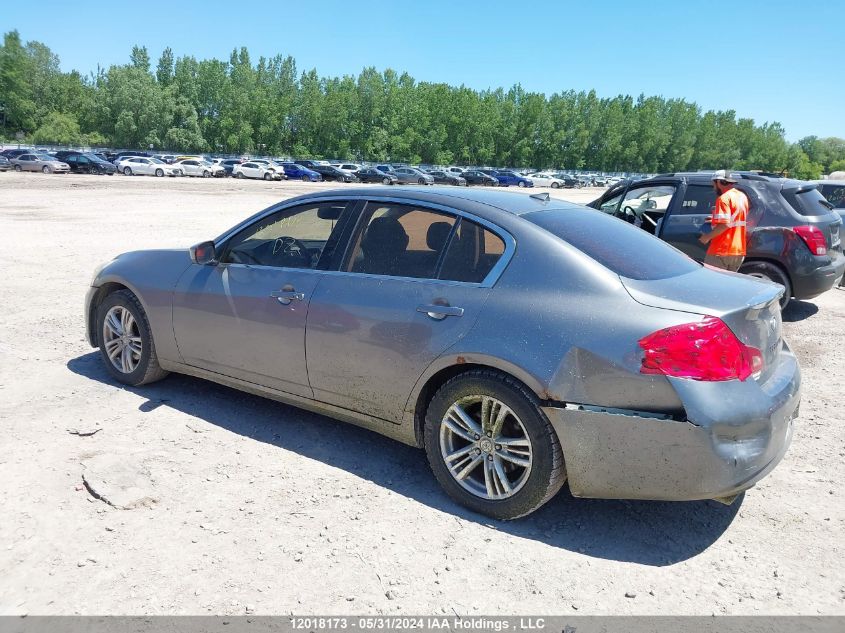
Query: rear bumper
pixel 734 435
pixel 819 280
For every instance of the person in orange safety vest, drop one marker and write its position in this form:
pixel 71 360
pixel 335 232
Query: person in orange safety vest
pixel 726 242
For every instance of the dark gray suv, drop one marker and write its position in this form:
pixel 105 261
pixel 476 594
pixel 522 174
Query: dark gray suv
pixel 793 232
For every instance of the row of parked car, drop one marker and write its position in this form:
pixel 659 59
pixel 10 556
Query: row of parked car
pixel 142 163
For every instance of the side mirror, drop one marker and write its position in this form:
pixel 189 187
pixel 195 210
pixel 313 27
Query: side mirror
pixel 203 253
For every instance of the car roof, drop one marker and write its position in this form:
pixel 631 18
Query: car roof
pixel 511 202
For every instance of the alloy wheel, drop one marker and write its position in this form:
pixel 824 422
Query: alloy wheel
pixel 122 339
pixel 485 447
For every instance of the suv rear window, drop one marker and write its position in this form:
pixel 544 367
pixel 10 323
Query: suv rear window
pixel 626 250
pixel 808 203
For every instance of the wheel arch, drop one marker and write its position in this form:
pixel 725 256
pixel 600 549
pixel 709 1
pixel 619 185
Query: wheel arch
pixel 454 366
pixel 772 262
pixel 108 287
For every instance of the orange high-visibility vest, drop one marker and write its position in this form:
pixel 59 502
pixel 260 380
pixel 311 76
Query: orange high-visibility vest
pixel 732 210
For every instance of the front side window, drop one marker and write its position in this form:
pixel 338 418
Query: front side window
pixel 400 241
pixel 293 238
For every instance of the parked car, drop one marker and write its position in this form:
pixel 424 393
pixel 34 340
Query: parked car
pixel 507 178
pixel 124 155
pixel 310 164
pixel 458 171
pixel 39 162
pixel 644 376
pixel 272 166
pixel 546 180
pixel 371 174
pixel 477 177
pixel 447 178
pixel 171 158
pixel 569 181
pixel 229 165
pixel 252 169
pixel 412 175
pixel 14 153
pixel 86 163
pixel 793 236
pixel 295 171
pixel 143 166
pixel 333 173
pixel 350 167
pixel 199 168
pixel 5 165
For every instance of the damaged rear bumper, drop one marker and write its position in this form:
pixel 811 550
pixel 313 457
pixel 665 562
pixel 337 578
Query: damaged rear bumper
pixel 734 434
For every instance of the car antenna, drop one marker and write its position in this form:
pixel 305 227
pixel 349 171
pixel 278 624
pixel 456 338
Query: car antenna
pixel 542 197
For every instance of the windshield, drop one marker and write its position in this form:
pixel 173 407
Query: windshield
pixel 157 161
pixel 45 157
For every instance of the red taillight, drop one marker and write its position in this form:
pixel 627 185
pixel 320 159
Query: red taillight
pixel 813 238
pixel 706 350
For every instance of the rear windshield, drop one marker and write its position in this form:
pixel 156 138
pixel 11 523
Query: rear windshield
pixel 808 203
pixel 835 194
pixel 626 250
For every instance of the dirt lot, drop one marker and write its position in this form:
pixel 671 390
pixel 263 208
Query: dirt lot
pixel 245 505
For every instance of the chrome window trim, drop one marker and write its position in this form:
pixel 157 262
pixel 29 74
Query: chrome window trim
pixel 488 282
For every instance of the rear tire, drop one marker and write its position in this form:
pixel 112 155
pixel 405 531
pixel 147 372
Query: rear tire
pixel 239 175
pixel 770 272
pixel 127 171
pixel 534 484
pixel 147 369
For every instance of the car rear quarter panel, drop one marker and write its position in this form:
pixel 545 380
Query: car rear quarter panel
pixel 151 276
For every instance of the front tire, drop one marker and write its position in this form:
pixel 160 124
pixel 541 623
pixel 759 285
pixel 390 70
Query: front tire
pixel 125 340
pixel 385 181
pixel 45 170
pixel 520 184
pixel 491 447
pixel 268 176
pixel 770 272
pixel 159 173
pixel 555 185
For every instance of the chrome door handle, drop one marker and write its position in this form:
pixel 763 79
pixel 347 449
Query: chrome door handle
pixel 286 296
pixel 438 312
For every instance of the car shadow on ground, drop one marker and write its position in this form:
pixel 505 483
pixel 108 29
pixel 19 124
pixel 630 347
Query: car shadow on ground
pixel 798 311
pixel 645 532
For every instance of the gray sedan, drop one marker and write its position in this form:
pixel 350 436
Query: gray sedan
pixel 412 175
pixel 521 341
pixel 40 162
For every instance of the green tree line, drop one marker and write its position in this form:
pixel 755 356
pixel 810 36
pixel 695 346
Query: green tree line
pixel 269 107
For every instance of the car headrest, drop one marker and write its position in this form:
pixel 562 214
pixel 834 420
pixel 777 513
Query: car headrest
pixel 385 234
pixel 437 235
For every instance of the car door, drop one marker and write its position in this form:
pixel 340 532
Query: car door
pixel 28 162
pixel 412 283
pixel 687 217
pixel 245 316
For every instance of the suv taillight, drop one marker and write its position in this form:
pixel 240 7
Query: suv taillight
pixel 813 238
pixel 707 350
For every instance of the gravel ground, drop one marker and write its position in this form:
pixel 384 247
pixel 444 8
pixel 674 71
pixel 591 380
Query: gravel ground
pixel 245 505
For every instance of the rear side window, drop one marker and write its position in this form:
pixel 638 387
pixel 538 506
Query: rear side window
pixel 698 200
pixel 835 194
pixel 472 253
pixel 808 203
pixel 617 245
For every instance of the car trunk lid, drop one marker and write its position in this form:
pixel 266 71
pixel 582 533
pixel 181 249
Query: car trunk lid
pixel 748 306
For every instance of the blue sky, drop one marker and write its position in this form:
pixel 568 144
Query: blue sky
pixel 769 60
